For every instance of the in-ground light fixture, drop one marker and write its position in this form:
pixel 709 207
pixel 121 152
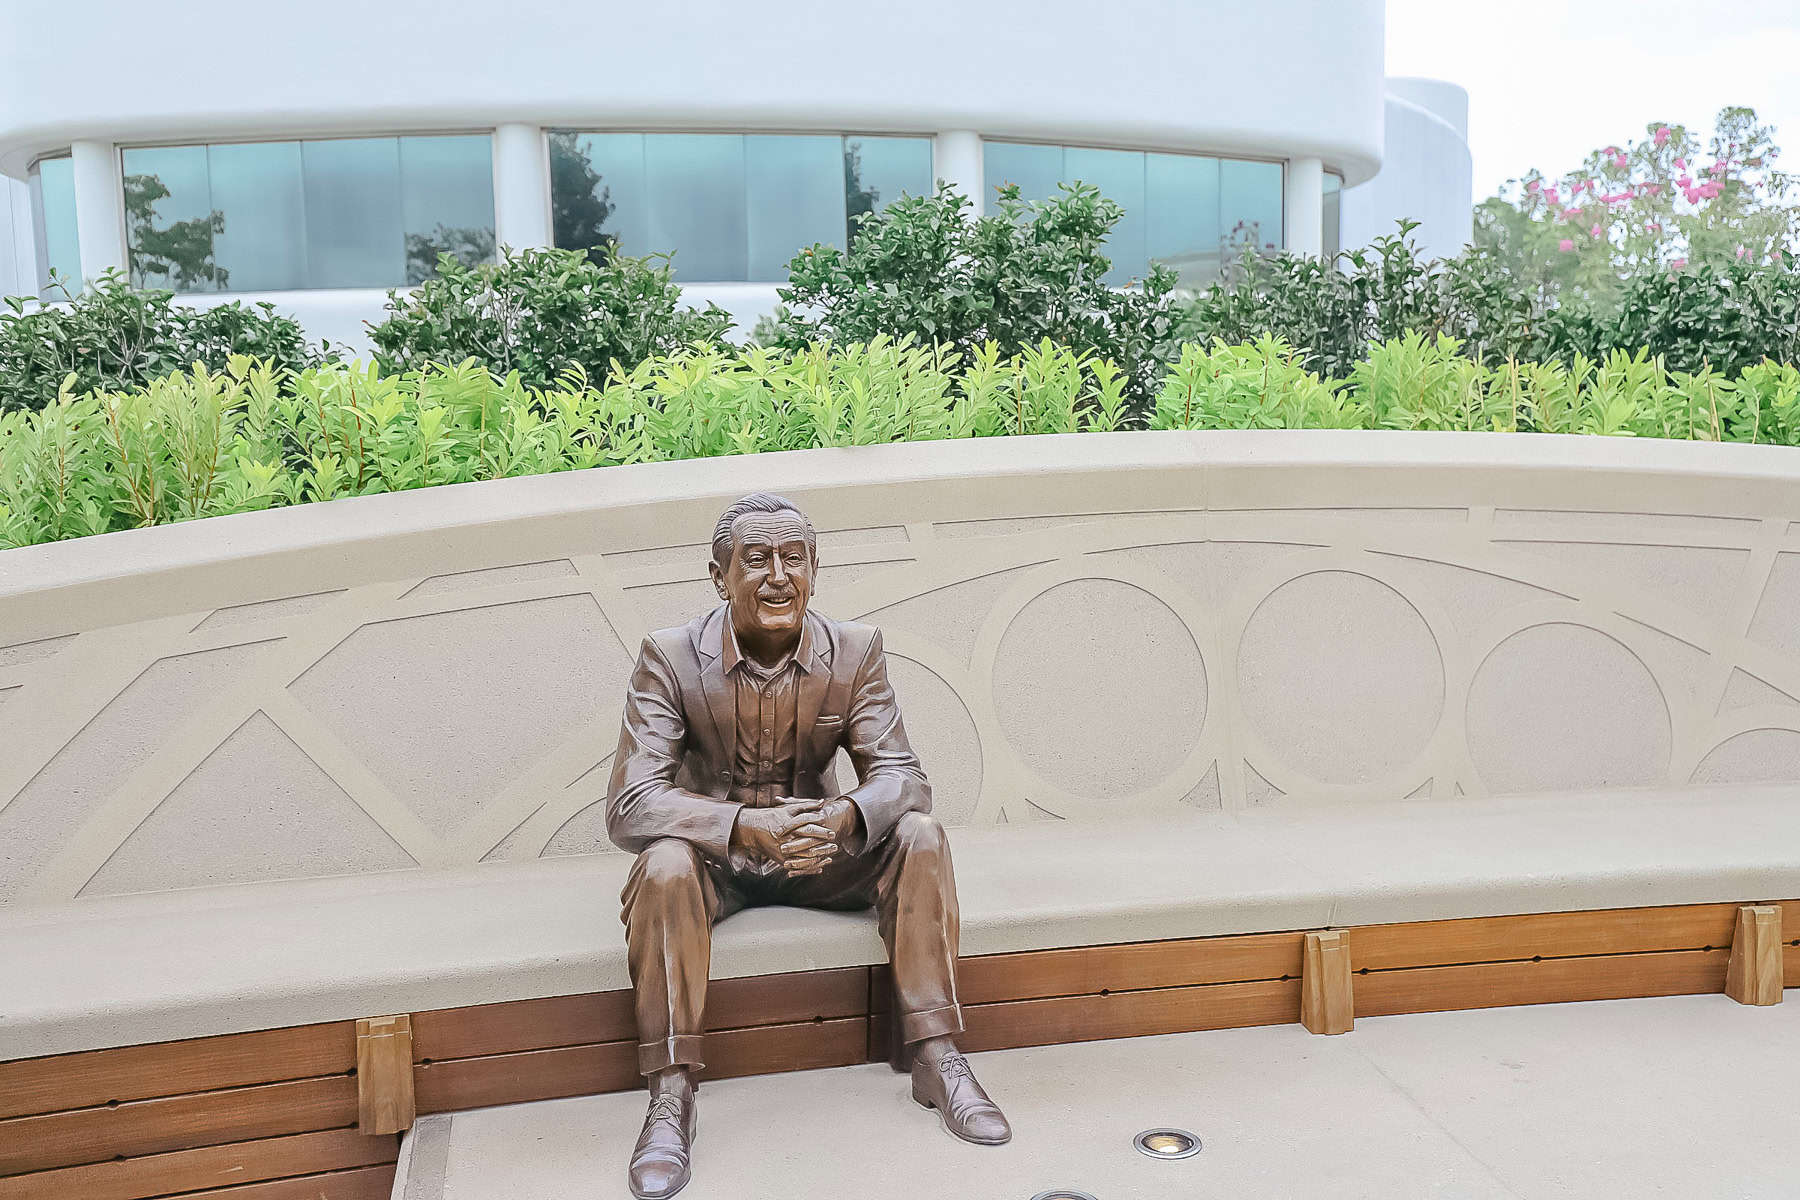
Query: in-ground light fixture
pixel 1167 1143
pixel 1062 1194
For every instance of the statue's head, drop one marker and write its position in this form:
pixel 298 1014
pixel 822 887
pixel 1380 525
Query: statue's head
pixel 764 558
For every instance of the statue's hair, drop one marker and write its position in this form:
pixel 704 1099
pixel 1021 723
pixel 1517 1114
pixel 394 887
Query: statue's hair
pixel 724 533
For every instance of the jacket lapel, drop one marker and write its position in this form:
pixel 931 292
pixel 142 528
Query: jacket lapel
pixel 720 701
pixel 814 684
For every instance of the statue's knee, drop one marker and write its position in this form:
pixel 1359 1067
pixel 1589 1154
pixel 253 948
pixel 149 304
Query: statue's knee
pixel 668 861
pixel 919 831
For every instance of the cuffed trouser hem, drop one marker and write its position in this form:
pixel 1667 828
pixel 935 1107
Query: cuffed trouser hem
pixel 933 1022
pixel 678 1050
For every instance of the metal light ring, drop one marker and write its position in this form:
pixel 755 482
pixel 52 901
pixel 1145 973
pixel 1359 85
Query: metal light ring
pixel 1146 1142
pixel 1062 1194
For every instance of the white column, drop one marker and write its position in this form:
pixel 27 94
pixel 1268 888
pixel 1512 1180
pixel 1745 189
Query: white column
pixel 99 207
pixel 956 160
pixel 521 187
pixel 18 269
pixel 1305 206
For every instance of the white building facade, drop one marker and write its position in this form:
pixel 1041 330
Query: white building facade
pixel 320 157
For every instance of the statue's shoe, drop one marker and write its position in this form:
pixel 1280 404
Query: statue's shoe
pixel 659 1164
pixel 949 1086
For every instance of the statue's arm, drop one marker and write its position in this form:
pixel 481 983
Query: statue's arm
pixel 642 801
pixel 892 782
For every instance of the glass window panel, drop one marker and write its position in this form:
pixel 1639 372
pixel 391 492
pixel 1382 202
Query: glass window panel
pixel 879 170
pixel 598 196
pixel 1250 204
pixel 169 218
pixel 793 197
pixel 1181 208
pixel 1119 174
pixel 53 220
pixel 446 201
pixel 353 231
pixel 1036 169
pixel 1333 235
pixel 696 203
pixel 257 188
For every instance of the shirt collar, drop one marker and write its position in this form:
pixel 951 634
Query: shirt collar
pixel 730 656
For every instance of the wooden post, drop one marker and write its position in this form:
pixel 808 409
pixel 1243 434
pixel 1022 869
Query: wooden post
pixel 1327 1003
pixel 384 1081
pixel 1754 973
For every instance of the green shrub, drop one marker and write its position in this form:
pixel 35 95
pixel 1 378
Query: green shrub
pixel 1727 315
pixel 112 335
pixel 1331 312
pixel 924 268
pixel 202 443
pixel 543 313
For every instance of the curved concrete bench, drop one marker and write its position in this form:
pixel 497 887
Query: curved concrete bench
pixel 126 971
pixel 289 769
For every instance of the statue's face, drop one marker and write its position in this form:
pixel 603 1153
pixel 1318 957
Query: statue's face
pixel 770 578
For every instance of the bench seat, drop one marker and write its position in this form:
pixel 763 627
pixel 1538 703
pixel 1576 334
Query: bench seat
pixel 129 970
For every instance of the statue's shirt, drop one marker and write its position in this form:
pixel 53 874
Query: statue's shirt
pixel 768 717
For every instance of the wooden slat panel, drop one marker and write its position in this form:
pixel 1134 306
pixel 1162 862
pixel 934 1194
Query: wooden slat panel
pixel 65 1081
pixel 1077 972
pixel 211 1167
pixel 364 1183
pixel 1790 965
pixel 176 1123
pixel 1129 1014
pixel 1552 981
pixel 1499 939
pixel 506 1028
pixel 612 1066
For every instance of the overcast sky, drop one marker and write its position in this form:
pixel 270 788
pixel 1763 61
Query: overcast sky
pixel 1550 80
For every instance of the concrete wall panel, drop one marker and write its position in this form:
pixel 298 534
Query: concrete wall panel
pixel 1078 627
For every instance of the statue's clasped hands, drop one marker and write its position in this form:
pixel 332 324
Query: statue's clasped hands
pixel 803 837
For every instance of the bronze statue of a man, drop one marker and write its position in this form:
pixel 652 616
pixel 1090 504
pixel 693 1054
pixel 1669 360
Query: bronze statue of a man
pixel 721 788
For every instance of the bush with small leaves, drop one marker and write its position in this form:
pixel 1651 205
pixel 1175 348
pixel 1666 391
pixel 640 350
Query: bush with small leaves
pixel 543 313
pixel 111 335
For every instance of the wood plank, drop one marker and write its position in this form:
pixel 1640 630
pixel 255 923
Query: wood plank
pixel 1560 935
pixel 487 1029
pixel 211 1167
pixel 363 1183
pixel 1327 1003
pixel 1552 981
pixel 384 1074
pixel 1790 964
pixel 453 1084
pixel 1753 973
pixel 93 1077
pixel 1090 969
pixel 1060 1019
pixel 87 1135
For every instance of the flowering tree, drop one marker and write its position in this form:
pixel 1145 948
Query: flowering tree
pixel 1658 203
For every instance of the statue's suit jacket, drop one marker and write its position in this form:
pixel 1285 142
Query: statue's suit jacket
pixel 671 776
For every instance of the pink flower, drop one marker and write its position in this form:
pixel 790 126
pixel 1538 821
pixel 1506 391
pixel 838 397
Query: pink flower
pixel 1653 189
pixel 1679 263
pixel 1619 161
pixel 1576 188
pixel 1595 231
pixel 1662 135
pixel 1551 195
pixel 1681 164
pixel 1565 245
pixel 1532 186
pixel 1653 226
pixel 1742 253
pixel 1570 214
